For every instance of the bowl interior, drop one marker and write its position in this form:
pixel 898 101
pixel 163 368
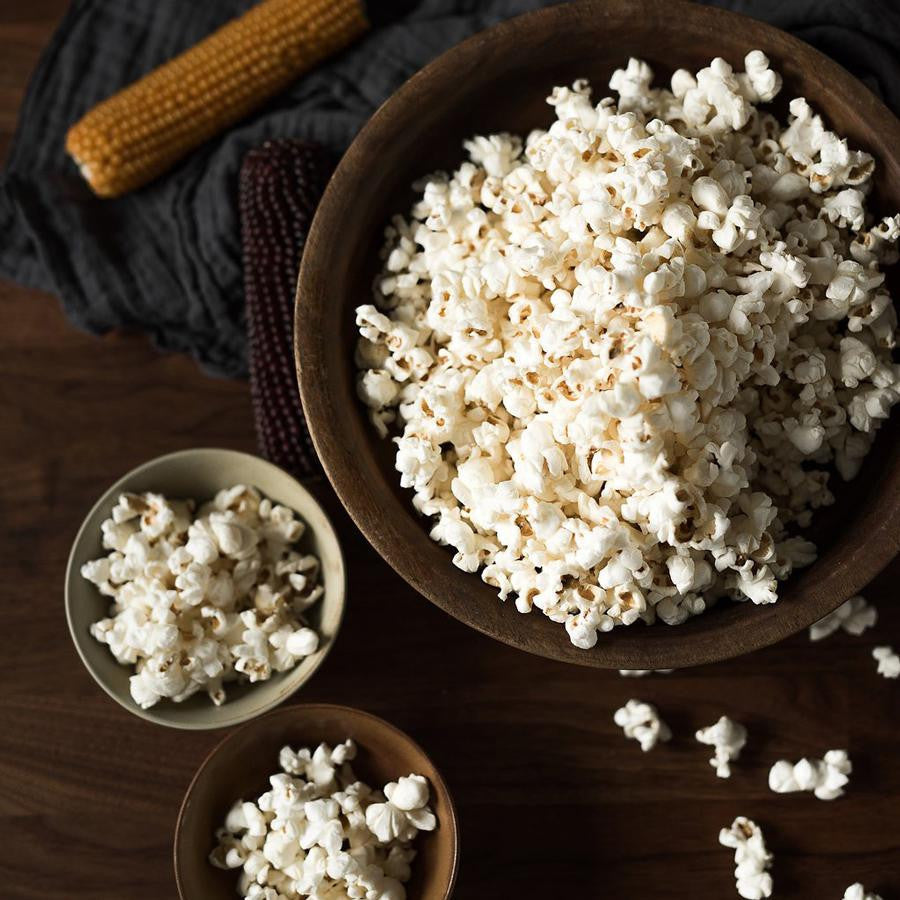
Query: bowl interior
pixel 239 768
pixel 498 81
pixel 199 474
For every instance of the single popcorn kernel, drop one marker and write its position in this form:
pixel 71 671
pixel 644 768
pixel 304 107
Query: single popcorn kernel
pixel 752 859
pixel 641 722
pixel 888 661
pixel 728 738
pixel 858 892
pixel 621 356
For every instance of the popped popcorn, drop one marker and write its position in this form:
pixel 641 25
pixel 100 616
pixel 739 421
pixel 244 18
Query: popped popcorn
pixel 888 661
pixel 641 673
pixel 752 859
pixel 641 722
pixel 403 813
pixel 728 737
pixel 826 778
pixel 321 832
pixel 201 599
pixel 621 354
pixel 854 617
pixel 858 892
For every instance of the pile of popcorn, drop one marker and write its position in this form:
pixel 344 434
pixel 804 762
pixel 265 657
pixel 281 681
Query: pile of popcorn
pixel 319 832
pixel 622 353
pixel 200 600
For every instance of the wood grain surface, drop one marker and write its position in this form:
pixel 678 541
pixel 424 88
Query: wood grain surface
pixel 553 801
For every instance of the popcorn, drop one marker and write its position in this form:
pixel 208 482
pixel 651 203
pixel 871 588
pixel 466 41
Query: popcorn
pixel 620 356
pixel 752 859
pixel 826 778
pixel 199 600
pixel 403 813
pixel 728 737
pixel 759 83
pixel 888 661
pixel 858 892
pixel 640 673
pixel 319 832
pixel 854 617
pixel 641 722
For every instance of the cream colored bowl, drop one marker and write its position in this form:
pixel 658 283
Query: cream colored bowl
pixel 199 474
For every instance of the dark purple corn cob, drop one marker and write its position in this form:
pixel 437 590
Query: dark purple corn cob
pixel 280 185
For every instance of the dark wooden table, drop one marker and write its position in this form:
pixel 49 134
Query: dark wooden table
pixel 553 801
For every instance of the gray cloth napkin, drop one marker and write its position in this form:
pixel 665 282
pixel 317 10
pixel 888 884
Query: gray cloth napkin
pixel 166 260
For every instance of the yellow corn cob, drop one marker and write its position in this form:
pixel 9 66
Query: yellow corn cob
pixel 142 131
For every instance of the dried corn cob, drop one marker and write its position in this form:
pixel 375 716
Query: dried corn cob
pixel 140 132
pixel 280 186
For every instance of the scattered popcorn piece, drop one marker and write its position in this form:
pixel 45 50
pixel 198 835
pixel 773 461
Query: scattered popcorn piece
pixel 826 778
pixel 854 616
pixel 641 722
pixel 888 661
pixel 620 356
pixel 728 737
pixel 320 832
pixel 858 892
pixel 752 859
pixel 201 600
pixel 640 673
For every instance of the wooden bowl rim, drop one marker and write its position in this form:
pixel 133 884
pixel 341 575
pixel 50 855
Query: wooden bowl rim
pixel 747 634
pixel 214 717
pixel 451 820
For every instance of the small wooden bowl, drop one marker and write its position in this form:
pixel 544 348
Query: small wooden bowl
pixel 239 768
pixel 198 475
pixel 498 81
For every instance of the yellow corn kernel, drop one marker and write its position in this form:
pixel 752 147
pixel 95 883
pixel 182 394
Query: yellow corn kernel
pixel 143 130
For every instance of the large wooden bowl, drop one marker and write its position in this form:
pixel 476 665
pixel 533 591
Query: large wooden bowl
pixel 497 81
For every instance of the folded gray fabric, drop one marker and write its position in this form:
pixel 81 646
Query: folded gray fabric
pixel 167 259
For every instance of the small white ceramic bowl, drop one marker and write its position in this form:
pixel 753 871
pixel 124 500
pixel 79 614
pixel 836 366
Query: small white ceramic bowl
pixel 198 475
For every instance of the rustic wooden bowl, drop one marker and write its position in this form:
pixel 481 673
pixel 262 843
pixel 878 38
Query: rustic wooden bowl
pixel 199 474
pixel 240 766
pixel 496 81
